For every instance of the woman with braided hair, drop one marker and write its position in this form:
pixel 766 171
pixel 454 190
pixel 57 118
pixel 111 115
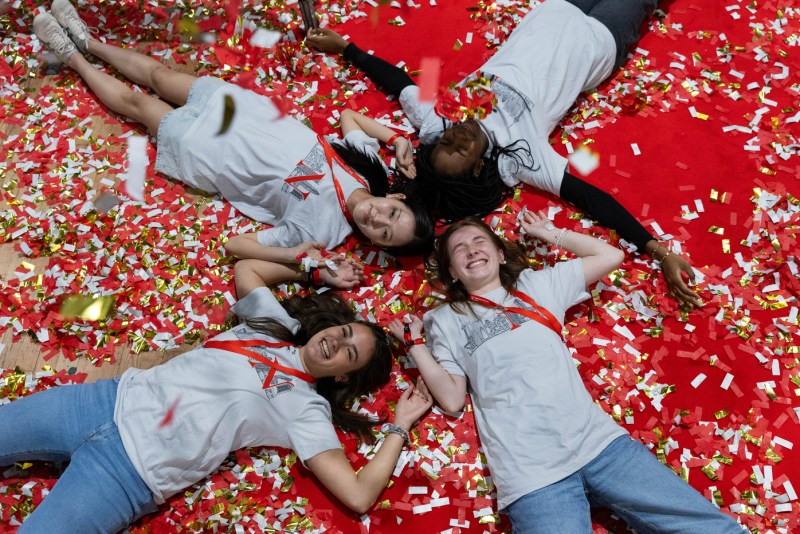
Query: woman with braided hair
pixel 560 48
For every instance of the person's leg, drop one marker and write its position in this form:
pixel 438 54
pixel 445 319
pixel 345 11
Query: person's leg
pixel 51 424
pixel 624 19
pixel 630 480
pixel 120 98
pixel 559 507
pixel 100 491
pixel 171 85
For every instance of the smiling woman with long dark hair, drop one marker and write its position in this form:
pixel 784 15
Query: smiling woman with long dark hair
pixel 283 378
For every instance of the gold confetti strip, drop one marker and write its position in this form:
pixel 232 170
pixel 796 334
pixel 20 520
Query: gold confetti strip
pixel 89 308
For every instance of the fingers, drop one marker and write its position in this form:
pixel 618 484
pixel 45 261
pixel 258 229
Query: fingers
pixel 407 393
pixel 422 387
pixel 688 270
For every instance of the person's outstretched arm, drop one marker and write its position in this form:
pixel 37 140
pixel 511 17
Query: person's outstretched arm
pixel 281 265
pixel 404 151
pixel 449 390
pixel 359 491
pixel 598 258
pixel 385 75
pixel 610 213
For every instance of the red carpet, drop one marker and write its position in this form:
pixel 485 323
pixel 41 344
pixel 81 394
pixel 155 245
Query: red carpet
pixel 711 100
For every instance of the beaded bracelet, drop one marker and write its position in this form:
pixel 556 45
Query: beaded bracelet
pixel 408 341
pixel 665 256
pixel 560 237
pixel 389 428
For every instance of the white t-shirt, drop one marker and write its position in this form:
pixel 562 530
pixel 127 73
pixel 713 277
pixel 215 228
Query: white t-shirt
pixel 257 165
pixel 319 216
pixel 554 54
pixel 219 406
pixel 536 421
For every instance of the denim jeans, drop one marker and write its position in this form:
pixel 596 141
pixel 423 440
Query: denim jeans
pixel 630 481
pixel 100 491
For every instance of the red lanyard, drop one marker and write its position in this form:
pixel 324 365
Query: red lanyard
pixel 239 348
pixel 331 156
pixel 539 314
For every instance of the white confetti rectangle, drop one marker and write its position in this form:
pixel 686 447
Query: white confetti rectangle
pixel 726 382
pixel 698 380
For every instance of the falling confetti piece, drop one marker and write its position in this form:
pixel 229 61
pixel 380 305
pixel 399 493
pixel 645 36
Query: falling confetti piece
pixel 227 114
pixel 584 160
pixel 170 415
pixel 429 79
pixel 137 167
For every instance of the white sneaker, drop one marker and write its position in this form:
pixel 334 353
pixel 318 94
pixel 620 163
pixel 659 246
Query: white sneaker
pixel 53 36
pixel 68 18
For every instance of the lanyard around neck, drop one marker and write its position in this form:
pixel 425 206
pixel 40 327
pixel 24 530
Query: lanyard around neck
pixel 239 347
pixel 332 156
pixel 539 313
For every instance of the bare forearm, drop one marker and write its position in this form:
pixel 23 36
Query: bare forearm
pixel 370 126
pixel 247 247
pixel 447 392
pixel 372 478
pixel 252 274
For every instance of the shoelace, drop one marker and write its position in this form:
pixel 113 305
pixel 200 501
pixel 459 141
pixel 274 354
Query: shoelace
pixel 75 22
pixel 53 37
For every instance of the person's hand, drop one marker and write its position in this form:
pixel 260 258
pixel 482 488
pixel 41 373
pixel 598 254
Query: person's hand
pixel 348 274
pixel 413 403
pixel 325 40
pixel 398 328
pixel 404 155
pixel 674 267
pixel 537 224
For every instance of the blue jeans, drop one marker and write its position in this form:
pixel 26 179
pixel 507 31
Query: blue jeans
pixel 630 481
pixel 100 491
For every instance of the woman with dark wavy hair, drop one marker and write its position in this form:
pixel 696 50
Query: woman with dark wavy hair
pixel 551 449
pixel 558 50
pixel 283 378
pixel 224 139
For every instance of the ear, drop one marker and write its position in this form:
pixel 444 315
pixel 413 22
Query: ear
pixel 396 196
pixel 502 256
pixel 452 274
pixel 478 168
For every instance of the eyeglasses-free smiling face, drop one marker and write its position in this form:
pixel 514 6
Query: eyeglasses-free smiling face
pixel 338 350
pixel 387 222
pixel 460 148
pixel 474 259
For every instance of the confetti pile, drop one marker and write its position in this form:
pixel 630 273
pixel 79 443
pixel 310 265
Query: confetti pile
pixel 697 135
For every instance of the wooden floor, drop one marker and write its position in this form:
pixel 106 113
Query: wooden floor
pixel 22 351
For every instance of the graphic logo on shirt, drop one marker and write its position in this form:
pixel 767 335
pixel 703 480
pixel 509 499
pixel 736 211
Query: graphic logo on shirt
pixel 309 171
pixel 480 331
pixel 280 382
pixel 515 104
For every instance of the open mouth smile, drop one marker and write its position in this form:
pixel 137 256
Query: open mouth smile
pixel 476 263
pixel 326 351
